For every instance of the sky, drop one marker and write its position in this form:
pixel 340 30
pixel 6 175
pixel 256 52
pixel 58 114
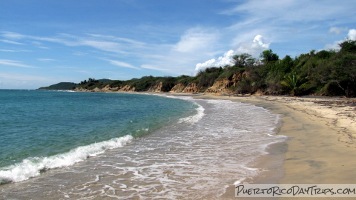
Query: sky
pixel 46 42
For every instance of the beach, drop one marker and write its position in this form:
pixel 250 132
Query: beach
pixel 320 148
pixel 309 140
pixel 196 155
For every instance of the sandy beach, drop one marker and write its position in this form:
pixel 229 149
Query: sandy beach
pixel 320 148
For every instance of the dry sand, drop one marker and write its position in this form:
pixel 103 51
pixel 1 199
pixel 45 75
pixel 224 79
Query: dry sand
pixel 321 145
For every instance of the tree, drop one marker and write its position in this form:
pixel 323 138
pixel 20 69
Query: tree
pixel 268 56
pixel 348 46
pixel 243 60
pixel 293 83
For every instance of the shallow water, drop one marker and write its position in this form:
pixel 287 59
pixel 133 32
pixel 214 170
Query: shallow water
pixel 194 157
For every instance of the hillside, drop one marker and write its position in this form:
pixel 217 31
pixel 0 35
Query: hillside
pixel 60 86
pixel 329 73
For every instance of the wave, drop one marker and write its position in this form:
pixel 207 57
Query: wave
pixel 194 118
pixel 32 167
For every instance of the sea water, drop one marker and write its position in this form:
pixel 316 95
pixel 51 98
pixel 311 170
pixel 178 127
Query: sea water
pixel 58 145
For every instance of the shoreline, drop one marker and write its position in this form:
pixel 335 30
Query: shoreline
pixel 319 148
pixel 321 140
pixel 179 160
pixel 321 135
pixel 321 144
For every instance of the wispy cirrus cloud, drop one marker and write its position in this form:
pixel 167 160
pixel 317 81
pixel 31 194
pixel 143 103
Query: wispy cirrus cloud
pixel 194 45
pixel 99 42
pixel 118 39
pixel 122 64
pixel 14 63
pixel 292 10
pixel 290 21
pixel 46 59
pixel 288 25
pixel 13 50
pixel 12 35
pixel 11 42
pixel 22 77
pixel 196 39
pixel 337 30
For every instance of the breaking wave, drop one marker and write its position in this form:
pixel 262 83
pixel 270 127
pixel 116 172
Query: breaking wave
pixel 32 167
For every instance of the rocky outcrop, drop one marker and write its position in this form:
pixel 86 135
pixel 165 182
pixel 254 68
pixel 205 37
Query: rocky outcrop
pixel 107 88
pixel 126 88
pixel 220 87
pixel 156 88
pixel 178 88
pixel 191 88
pixel 237 77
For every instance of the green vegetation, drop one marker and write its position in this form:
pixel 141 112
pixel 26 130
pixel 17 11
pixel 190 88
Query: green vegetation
pixel 325 72
pixel 60 86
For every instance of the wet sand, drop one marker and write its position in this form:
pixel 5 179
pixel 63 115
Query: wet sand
pixel 321 147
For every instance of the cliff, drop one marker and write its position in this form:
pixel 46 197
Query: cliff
pixel 188 85
pixel 219 87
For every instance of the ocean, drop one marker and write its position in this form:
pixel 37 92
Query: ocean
pixel 72 145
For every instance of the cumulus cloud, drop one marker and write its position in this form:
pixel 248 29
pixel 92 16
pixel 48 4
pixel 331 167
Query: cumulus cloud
pixel 253 48
pixel 258 42
pixel 224 60
pixel 352 34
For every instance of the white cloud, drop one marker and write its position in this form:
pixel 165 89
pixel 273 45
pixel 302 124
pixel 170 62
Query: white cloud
pixel 12 35
pixel 122 64
pixel 11 42
pixel 14 63
pixel 157 68
pixel 254 47
pixel 335 45
pixel 293 10
pixel 222 61
pixel 292 26
pixel 196 39
pixel 72 41
pixel 119 39
pixel 102 45
pixel 336 30
pixel 21 81
pixel 46 59
pixel 13 51
pixel 8 50
pixel 352 34
pixel 23 77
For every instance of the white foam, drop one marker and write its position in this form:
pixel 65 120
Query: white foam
pixel 239 181
pixel 194 118
pixel 32 167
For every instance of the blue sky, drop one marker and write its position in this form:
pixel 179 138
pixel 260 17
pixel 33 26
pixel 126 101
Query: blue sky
pixel 46 42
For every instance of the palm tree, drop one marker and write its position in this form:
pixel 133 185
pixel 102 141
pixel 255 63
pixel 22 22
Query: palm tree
pixel 293 82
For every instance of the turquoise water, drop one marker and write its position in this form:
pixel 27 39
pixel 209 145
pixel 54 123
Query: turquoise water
pixel 46 129
pixel 131 146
